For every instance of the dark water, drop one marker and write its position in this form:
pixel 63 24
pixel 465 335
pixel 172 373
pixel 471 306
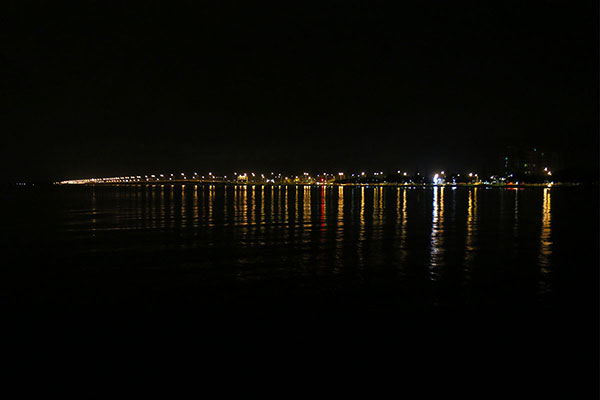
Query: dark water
pixel 490 275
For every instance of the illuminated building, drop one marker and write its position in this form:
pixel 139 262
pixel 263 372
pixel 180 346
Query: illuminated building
pixel 528 162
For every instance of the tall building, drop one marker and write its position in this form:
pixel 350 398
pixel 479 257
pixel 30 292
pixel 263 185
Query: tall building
pixel 528 162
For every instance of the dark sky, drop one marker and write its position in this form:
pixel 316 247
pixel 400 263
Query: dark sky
pixel 97 89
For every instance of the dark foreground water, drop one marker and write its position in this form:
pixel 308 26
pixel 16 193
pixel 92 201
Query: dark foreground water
pixel 482 284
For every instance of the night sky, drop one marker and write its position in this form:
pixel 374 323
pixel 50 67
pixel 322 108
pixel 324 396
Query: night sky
pixel 101 90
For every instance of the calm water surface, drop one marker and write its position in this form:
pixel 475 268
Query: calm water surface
pixel 503 283
pixel 413 247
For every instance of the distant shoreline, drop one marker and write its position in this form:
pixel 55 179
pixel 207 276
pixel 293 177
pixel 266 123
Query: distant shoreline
pixel 391 184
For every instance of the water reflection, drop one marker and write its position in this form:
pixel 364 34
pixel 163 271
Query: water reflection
pixel 377 206
pixel 195 207
pixel 172 207
pixel 253 214
pixel 402 223
pixel 343 230
pixel 306 227
pixel 323 207
pixel 283 205
pixel 377 218
pixel 225 205
pixel 94 211
pixel 516 215
pixel 339 239
pixel 244 207
pixel 307 210
pixel 211 201
pixel 261 217
pixel 298 217
pixel 437 234
pixel 471 234
pixel 182 200
pixel 545 243
pixel 361 232
pixel 163 218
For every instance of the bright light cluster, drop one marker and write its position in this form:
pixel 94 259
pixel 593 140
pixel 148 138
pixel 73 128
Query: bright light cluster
pixel 324 178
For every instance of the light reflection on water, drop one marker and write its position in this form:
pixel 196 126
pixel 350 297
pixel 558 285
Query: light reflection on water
pixel 437 234
pixel 516 214
pixel 361 237
pixel 545 243
pixel 183 205
pixel 343 230
pixel 403 220
pixel 339 233
pixel 471 236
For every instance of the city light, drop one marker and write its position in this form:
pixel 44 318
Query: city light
pixel 322 178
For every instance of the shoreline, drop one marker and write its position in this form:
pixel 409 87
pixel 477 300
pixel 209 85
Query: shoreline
pixel 391 184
